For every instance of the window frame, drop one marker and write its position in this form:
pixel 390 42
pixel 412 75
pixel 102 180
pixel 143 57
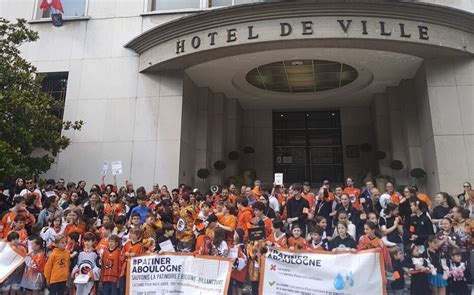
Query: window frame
pixel 203 5
pixel 38 13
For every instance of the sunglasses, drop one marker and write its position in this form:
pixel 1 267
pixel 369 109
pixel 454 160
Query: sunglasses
pixel 466 186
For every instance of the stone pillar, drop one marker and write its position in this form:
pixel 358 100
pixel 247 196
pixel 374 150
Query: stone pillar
pixel 383 131
pixel 450 101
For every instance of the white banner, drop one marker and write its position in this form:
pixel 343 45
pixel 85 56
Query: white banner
pixel 178 274
pixel 311 273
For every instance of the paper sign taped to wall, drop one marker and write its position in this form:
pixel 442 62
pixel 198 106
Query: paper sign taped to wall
pixel 105 168
pixel 116 167
pixel 278 178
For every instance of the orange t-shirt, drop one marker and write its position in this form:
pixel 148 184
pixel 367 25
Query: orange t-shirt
pixel 356 192
pixel 299 244
pixel 424 198
pixel 71 228
pixel 110 265
pixel 230 221
pixel 129 247
pixel 280 242
pixel 309 196
pixel 57 267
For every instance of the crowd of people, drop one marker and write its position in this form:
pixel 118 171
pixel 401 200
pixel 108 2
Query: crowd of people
pixel 78 241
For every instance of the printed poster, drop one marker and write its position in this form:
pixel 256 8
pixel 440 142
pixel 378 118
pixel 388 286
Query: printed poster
pixel 10 260
pixel 116 167
pixel 178 274
pixel 314 273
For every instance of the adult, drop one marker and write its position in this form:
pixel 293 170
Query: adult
pixel 249 193
pixel 390 195
pixel 391 226
pixel 375 197
pixel 81 192
pixel 60 187
pixel 297 208
pixel 418 226
pixel 233 194
pixel 443 205
pixel 94 209
pixel 272 200
pixel 32 189
pixel 228 222
pixel 469 203
pixel 244 216
pixel 367 192
pixel 16 189
pixel 324 204
pixel 352 192
pixel 268 211
pixel 461 198
pixel 260 220
pixel 463 227
pixel 50 208
pixel 308 194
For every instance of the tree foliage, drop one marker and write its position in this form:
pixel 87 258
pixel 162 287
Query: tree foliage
pixel 30 132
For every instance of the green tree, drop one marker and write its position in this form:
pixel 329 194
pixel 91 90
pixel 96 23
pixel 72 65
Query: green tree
pixel 27 115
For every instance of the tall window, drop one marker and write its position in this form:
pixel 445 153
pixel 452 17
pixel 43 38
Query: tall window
pixel 56 85
pixel 307 146
pixel 70 7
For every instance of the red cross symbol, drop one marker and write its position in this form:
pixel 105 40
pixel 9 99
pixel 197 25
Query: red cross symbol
pixel 273 267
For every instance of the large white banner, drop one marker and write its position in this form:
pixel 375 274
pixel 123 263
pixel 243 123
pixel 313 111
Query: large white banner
pixel 178 274
pixel 311 273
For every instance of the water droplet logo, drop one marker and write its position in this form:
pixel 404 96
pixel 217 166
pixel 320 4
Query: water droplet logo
pixel 350 279
pixel 339 282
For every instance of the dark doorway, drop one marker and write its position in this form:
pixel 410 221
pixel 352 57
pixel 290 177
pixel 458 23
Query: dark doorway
pixel 307 146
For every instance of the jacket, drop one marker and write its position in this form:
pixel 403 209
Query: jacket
pixel 56 269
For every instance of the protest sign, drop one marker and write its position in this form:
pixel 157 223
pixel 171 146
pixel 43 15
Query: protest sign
pixel 285 272
pixel 257 233
pixel 178 274
pixel 105 167
pixel 10 260
pixel 278 178
pixel 116 167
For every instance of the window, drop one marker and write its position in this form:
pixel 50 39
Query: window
pixel 56 85
pixel 71 8
pixel 157 5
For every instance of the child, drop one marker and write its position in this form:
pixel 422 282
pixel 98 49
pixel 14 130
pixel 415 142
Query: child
pixel 33 279
pixel 418 268
pixel 132 248
pixel 73 247
pixel 49 233
pixel 120 229
pixel 107 229
pixel 438 281
pixel 56 270
pixel 168 234
pixel 343 241
pixel 149 232
pixel 141 209
pixel 447 236
pixel 316 242
pixel 459 275
pixel 296 241
pixel 34 233
pixel 370 241
pixel 19 227
pixel 277 238
pixel 110 261
pixel 135 221
pixel 203 244
pixel 239 269
pixel 87 265
pixel 398 283
pixel 12 282
pixel 220 247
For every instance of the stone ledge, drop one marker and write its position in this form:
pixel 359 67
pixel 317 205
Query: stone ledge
pixel 65 19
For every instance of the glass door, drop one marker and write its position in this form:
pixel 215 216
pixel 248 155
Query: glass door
pixel 307 146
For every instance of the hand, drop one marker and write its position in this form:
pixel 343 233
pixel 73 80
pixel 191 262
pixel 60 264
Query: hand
pixel 363 216
pixel 414 237
pixel 269 244
pixel 362 200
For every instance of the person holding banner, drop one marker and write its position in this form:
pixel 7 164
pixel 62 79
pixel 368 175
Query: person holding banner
pixel 239 269
pixel 343 241
pixel 371 241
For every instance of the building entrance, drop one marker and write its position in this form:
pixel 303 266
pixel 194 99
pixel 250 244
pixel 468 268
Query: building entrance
pixel 307 146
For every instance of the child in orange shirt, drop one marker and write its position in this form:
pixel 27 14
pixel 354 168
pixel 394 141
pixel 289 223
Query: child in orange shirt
pixel 19 227
pixel 132 248
pixel 277 238
pixel 12 282
pixel 33 279
pixel 103 244
pixel 296 241
pixel 56 270
pixel 110 262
